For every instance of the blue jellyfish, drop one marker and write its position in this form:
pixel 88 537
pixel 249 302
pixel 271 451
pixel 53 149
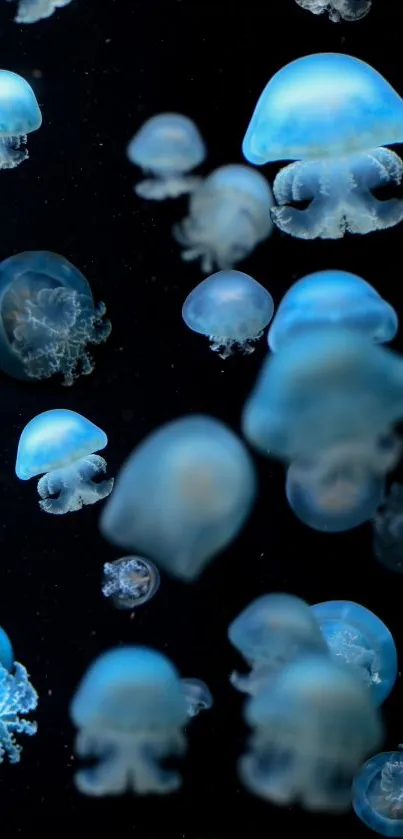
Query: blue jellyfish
pixel 47 318
pixel 387 538
pixel 60 443
pixel 19 115
pixel 17 696
pixel 229 214
pixel 130 710
pixel 30 11
pixel 198 696
pixel 312 728
pixel 361 640
pixel 334 130
pixel 272 631
pixel 338 9
pixel 183 495
pixel 169 146
pixel 130 581
pixel 378 793
pixel 231 309
pixel 332 298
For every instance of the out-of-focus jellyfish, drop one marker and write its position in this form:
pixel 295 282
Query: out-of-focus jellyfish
pixel 47 318
pixel 361 640
pixel 198 696
pixel 183 495
pixel 231 309
pixel 387 540
pixel 312 728
pixel 130 709
pixel 272 631
pixel 30 11
pixel 378 793
pixel 229 214
pixel 335 130
pixel 61 443
pixel 338 9
pixel 130 581
pixel 17 696
pixel 332 298
pixel 19 115
pixel 169 146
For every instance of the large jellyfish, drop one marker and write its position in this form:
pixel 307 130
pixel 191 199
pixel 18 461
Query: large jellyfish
pixel 169 146
pixel 61 444
pixel 312 728
pixel 387 541
pixel 47 318
pixel 272 631
pixel 229 214
pixel 331 113
pixel 183 495
pixel 231 309
pixel 19 115
pixel 17 696
pixel 332 298
pixel 338 9
pixel 130 709
pixel 378 793
pixel 30 11
pixel 361 640
pixel 130 581
pixel 198 696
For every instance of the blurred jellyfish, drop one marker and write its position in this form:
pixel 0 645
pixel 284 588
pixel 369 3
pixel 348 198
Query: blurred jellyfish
pixel 378 793
pixel 130 581
pixel 19 115
pixel 30 11
pixel 198 696
pixel 47 318
pixel 231 309
pixel 334 130
pixel 312 728
pixel 183 495
pixel 169 146
pixel 61 443
pixel 17 696
pixel 229 214
pixel 332 298
pixel 272 631
pixel 130 710
pixel 338 9
pixel 361 640
pixel 387 539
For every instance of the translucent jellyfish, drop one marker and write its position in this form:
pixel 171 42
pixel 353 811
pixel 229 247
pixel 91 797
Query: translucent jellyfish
pixel 130 710
pixel 312 728
pixel 30 11
pixel 17 696
pixel 229 214
pixel 338 9
pixel 169 146
pixel 130 581
pixel 198 696
pixel 183 495
pixel 332 298
pixel 61 443
pixel 272 631
pixel 378 793
pixel 19 115
pixel 361 640
pixel 334 129
pixel 231 309
pixel 387 539
pixel 47 318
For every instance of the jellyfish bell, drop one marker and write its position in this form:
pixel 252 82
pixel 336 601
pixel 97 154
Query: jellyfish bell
pixel 19 115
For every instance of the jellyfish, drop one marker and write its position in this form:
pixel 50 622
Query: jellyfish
pixel 183 495
pixel 198 696
pixel 387 538
pixel 231 309
pixel 378 793
pixel 19 115
pixel 332 298
pixel 30 11
pixel 312 728
pixel 47 318
pixel 60 443
pixel 229 214
pixel 272 631
pixel 335 130
pixel 168 146
pixel 338 9
pixel 130 581
pixel 17 696
pixel 362 641
pixel 129 709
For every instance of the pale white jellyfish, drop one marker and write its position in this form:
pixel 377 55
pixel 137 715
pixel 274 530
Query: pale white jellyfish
pixel 338 9
pixel 30 11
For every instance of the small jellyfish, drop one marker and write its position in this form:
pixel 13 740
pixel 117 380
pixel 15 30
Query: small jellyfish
pixel 272 631
pixel 130 581
pixel 378 793
pixel 332 298
pixel 198 696
pixel 361 640
pixel 183 495
pixel 19 115
pixel 30 11
pixel 60 443
pixel 338 9
pixel 231 309
pixel 169 146
pixel 312 728
pixel 130 710
pixel 229 214
pixel 17 696
pixel 387 540
pixel 335 131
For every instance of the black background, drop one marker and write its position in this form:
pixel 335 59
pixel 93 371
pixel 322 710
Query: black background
pixel 99 69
